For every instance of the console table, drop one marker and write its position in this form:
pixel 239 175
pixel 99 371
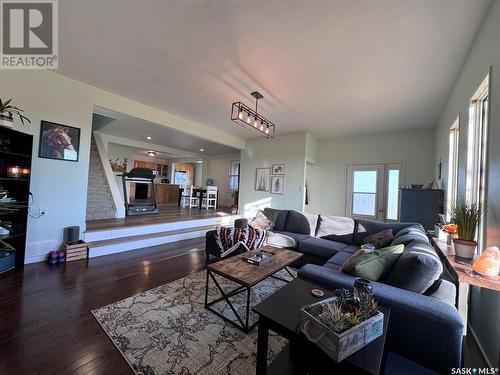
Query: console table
pixel 462 275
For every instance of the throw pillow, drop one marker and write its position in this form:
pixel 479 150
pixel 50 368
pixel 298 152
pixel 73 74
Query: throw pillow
pixel 272 215
pixel 380 239
pixel 261 221
pixel 372 265
pixel 301 222
pixel 336 228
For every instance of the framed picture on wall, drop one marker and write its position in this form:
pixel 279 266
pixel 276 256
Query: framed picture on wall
pixel 278 169
pixel 58 141
pixel 118 165
pixel 277 184
pixel 262 176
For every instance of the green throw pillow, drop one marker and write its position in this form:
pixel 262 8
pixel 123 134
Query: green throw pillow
pixel 372 265
pixel 272 215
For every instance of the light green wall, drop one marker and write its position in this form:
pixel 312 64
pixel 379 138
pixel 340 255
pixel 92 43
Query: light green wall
pixel 326 178
pixel 61 186
pixel 263 153
pixel 485 53
pixel 217 168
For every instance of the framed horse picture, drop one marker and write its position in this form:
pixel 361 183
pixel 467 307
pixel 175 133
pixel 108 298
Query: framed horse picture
pixel 61 142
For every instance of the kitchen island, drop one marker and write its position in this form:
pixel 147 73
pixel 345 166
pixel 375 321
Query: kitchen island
pixel 167 193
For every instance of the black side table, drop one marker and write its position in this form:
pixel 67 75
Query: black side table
pixel 279 313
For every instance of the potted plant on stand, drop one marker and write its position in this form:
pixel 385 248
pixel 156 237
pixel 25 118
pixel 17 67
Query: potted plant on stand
pixel 8 112
pixel 466 216
pixel 234 206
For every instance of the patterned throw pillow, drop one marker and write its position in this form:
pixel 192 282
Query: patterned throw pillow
pixel 380 239
pixel 230 239
pixel 261 221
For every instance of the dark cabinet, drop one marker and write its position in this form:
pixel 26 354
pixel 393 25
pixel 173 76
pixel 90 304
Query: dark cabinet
pixel 422 206
pixel 15 172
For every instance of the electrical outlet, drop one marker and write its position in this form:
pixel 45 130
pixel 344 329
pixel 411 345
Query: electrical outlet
pixel 43 211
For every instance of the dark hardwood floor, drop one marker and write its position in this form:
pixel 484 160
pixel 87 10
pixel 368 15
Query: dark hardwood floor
pixel 45 322
pixel 168 214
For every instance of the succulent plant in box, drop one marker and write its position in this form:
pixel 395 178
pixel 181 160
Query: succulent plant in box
pixel 345 311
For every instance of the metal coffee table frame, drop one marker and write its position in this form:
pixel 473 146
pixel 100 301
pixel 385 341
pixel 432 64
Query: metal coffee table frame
pixel 242 324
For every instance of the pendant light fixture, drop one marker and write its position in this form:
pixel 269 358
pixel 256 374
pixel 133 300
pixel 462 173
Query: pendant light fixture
pixel 250 119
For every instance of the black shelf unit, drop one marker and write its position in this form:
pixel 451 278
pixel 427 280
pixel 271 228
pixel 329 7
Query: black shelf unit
pixel 15 151
pixel 422 206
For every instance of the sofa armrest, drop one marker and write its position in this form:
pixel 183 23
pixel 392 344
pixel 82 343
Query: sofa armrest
pixel 211 247
pixel 421 328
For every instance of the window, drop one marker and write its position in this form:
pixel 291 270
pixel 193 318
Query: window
pixel 234 175
pixel 451 192
pixel 373 190
pixel 476 151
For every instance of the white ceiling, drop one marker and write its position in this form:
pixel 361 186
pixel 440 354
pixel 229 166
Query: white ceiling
pixel 124 126
pixel 328 67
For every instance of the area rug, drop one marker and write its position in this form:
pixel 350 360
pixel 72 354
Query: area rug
pixel 167 330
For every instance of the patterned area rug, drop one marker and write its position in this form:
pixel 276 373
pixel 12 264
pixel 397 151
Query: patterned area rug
pixel 167 330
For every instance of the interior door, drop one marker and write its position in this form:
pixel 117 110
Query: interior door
pixel 365 196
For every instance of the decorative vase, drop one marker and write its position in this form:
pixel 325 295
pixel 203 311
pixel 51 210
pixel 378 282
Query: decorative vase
pixel 6 121
pixel 464 249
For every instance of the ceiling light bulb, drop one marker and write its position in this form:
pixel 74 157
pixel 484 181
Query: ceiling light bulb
pixel 240 115
pixel 148 138
pixel 255 122
pixel 201 149
pixel 249 119
pixel 261 127
pixel 267 129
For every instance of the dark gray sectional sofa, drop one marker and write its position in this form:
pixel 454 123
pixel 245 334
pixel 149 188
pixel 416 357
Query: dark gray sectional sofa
pixel 425 327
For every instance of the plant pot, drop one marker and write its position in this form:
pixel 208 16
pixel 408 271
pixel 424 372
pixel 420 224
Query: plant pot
pixel 465 249
pixel 234 209
pixel 6 121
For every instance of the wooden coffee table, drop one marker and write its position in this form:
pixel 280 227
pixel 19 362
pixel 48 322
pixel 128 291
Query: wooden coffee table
pixel 246 276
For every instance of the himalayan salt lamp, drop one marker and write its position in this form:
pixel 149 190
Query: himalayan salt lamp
pixel 488 263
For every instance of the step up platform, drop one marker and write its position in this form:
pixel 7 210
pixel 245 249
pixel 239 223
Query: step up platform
pixel 112 240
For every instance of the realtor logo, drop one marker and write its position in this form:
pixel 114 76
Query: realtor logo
pixel 29 34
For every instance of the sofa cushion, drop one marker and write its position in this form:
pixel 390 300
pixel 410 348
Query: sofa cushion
pixel 380 239
pixel 339 259
pixel 278 217
pixel 296 236
pixel 409 229
pixel 412 236
pixel 416 269
pixel 364 228
pixel 281 240
pixel 446 292
pixel 320 247
pixel 351 249
pixel 301 222
pixel 336 228
pixel 372 265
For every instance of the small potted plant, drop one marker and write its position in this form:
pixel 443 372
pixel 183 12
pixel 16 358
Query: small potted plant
pixel 466 216
pixel 342 324
pixel 8 112
pixel 234 206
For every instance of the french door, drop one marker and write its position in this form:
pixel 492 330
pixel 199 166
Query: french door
pixel 373 191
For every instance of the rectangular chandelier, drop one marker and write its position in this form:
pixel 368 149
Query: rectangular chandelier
pixel 244 116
